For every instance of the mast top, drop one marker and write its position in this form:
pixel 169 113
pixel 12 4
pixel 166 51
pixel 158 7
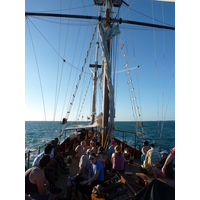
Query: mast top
pixel 115 3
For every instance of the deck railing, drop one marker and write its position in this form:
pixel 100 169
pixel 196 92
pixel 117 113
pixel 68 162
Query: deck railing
pixel 38 149
pixel 124 137
pixel 29 152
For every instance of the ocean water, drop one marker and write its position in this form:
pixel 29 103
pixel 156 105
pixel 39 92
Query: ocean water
pixel 38 133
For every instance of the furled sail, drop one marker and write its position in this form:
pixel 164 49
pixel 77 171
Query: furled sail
pixel 107 34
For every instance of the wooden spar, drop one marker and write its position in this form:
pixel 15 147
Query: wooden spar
pixel 106 98
pixel 100 19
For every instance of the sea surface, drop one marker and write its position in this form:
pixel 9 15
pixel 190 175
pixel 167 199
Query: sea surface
pixel 38 133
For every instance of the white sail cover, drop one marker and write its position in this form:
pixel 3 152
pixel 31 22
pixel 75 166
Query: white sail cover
pixel 107 34
pixel 94 125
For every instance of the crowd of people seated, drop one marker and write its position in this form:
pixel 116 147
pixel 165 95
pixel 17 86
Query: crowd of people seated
pixel 93 162
pixel 158 164
pixel 93 165
pixel 40 178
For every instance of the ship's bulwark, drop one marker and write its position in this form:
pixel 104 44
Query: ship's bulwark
pixel 156 190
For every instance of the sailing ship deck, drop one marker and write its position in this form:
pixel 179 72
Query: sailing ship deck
pixel 130 177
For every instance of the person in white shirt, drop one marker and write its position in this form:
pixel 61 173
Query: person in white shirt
pixel 82 173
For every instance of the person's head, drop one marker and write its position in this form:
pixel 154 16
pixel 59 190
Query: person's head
pixel 145 143
pixel 79 151
pixel 92 158
pixel 98 144
pixel 53 143
pixel 101 150
pixel 152 145
pixel 112 142
pixel 44 161
pixel 89 151
pixel 117 149
pixel 91 143
pixel 83 144
pixel 47 149
pixel 56 140
pixel 164 154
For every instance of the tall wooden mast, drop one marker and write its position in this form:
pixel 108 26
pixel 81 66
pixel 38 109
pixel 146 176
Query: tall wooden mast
pixel 96 66
pixel 105 97
pixel 107 3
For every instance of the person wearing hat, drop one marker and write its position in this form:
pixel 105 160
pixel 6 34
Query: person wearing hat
pixel 117 160
pixel 157 169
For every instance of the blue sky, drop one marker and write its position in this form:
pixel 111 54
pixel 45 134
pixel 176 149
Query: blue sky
pixel 151 92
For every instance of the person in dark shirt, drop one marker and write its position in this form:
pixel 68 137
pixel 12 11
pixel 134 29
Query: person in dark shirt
pixel 157 172
pixel 36 184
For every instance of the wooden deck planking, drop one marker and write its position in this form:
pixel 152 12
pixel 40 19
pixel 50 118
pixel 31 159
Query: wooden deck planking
pixel 62 179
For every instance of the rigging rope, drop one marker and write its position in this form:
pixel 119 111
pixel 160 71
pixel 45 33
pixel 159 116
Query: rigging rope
pixel 135 107
pixel 136 70
pixel 57 91
pixel 47 41
pixel 78 115
pixel 38 74
pixel 82 88
pixel 73 61
pixel 155 66
pixel 64 54
pixel 166 106
pixel 163 62
pixel 77 85
pixel 83 70
pixel 80 60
